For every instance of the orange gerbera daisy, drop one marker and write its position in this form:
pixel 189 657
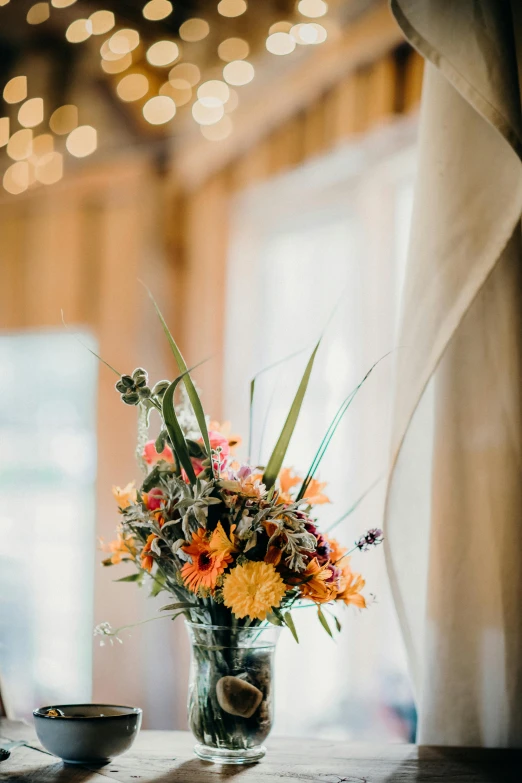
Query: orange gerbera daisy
pixel 350 586
pixel 147 561
pixel 206 565
pixel 317 588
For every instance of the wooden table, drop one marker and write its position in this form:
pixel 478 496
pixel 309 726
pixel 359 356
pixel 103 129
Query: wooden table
pixel 166 757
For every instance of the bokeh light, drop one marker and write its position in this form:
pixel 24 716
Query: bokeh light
pixel 4 131
pixel 233 49
pixel 49 168
pixel 233 101
pixel 64 119
pixel 42 145
pixel 312 8
pixel 232 8
pixel 16 178
pixel 31 113
pixel 238 72
pixel 102 22
pixel 62 3
pixel 20 145
pixel 159 110
pixel 38 13
pixel 194 30
pixel 213 93
pixel 207 115
pixel 162 53
pixel 280 27
pixel 219 130
pixel 157 9
pixel 124 41
pixel 132 87
pixel 186 71
pixel 79 30
pixel 280 43
pixel 15 90
pixel 82 141
pixel 117 66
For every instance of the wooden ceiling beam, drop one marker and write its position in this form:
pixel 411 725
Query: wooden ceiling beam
pixel 266 106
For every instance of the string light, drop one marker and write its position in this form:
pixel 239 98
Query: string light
pixel 82 141
pixel 15 90
pixel 38 13
pixel 159 110
pixel 194 30
pixel 31 113
pixel 62 3
pixel 124 41
pixel 213 93
pixel 238 72
pixel 117 66
pixel 20 145
pixel 207 115
pixel 232 8
pixel 280 43
pixel 162 53
pixel 186 71
pixel 49 169
pixel 133 87
pixel 157 9
pixel 16 178
pixel 4 131
pixel 79 30
pixel 219 130
pixel 64 119
pixel 312 8
pixel 102 22
pixel 233 49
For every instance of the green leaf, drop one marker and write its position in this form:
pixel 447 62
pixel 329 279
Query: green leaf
pixel 191 389
pixel 273 618
pixel 337 623
pixel 324 621
pixel 178 605
pixel 331 431
pixel 276 459
pixel 290 623
pixel 157 585
pixel 176 436
pixel 130 578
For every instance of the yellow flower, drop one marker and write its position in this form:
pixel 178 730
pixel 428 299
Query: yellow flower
pixel 253 589
pixel 126 496
pixel 221 544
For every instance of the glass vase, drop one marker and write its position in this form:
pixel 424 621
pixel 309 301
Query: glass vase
pixel 231 701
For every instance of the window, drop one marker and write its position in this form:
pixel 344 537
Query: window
pixel 47 509
pixel 322 250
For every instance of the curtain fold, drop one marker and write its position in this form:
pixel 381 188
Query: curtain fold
pixel 454 502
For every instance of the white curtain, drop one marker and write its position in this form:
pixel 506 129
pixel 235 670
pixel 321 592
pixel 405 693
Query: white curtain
pixel 454 501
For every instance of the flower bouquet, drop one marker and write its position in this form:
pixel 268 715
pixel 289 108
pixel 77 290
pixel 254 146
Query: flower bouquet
pixel 236 546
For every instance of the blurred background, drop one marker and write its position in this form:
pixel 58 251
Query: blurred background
pixel 253 163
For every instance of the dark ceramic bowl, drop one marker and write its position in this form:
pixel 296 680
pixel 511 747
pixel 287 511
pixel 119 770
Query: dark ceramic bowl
pixel 87 733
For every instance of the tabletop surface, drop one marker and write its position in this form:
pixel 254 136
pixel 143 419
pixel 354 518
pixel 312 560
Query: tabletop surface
pixel 167 757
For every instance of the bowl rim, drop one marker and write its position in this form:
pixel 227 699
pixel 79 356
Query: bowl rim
pixel 131 711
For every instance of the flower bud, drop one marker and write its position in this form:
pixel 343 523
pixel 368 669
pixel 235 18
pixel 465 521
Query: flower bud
pixel 126 381
pixel 160 388
pixel 131 398
pixel 144 392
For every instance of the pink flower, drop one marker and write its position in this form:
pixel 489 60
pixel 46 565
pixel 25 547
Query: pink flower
pixel 154 499
pixel 219 443
pixel 197 464
pixel 151 456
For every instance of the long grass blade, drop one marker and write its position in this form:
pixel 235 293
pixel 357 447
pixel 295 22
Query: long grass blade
pixel 253 391
pixel 87 347
pixel 276 459
pixel 331 430
pixel 189 385
pixel 179 444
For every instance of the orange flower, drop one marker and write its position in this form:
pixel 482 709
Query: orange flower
pixel 147 561
pixel 221 544
pixel 206 565
pixel 224 429
pixel 317 588
pixel 119 548
pixel 125 497
pixel 351 585
pixel 314 492
pixel 336 550
pixel 151 456
pixel 273 555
